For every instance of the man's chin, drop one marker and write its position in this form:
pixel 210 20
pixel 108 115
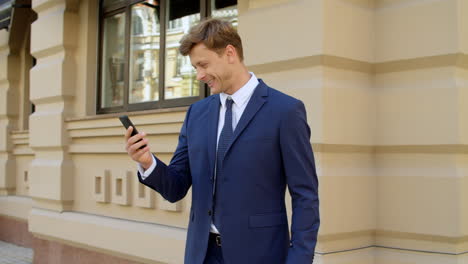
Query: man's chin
pixel 214 90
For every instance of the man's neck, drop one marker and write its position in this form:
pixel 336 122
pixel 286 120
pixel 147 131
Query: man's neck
pixel 241 79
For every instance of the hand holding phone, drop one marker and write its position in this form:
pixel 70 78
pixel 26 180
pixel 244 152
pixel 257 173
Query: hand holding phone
pixel 143 157
pixel 127 123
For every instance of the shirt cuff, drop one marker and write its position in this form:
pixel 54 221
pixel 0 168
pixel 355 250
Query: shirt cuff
pixel 144 174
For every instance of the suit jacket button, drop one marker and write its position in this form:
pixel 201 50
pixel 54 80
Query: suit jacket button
pixel 209 212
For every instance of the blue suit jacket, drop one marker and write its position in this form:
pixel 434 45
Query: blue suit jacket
pixel 271 150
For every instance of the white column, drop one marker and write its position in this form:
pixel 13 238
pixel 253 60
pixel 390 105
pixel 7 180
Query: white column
pixel 54 38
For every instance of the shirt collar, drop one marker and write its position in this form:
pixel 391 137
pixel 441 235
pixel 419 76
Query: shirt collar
pixel 241 96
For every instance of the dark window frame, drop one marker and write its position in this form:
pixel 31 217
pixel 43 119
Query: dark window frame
pixel 125 8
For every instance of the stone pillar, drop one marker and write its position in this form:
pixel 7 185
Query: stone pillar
pixel 347 160
pixel 385 85
pixel 9 77
pixel 421 153
pixel 54 38
pixel 321 52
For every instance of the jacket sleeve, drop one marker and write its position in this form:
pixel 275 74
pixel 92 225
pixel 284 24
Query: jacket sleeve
pixel 174 180
pixel 302 182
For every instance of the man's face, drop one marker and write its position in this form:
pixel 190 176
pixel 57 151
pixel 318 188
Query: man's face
pixel 212 68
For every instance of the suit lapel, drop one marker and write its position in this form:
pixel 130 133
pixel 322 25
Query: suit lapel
pixel 255 103
pixel 212 129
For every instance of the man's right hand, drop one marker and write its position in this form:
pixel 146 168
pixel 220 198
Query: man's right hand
pixel 142 156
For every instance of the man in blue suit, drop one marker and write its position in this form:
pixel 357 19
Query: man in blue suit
pixel 238 149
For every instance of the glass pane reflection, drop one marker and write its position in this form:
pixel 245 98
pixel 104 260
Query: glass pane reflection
pixel 144 54
pixel 225 9
pixel 180 77
pixel 113 64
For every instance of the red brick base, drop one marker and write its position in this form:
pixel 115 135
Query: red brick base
pixel 51 252
pixel 15 231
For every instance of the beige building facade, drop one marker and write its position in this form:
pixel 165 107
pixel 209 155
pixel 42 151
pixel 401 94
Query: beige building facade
pixel 385 84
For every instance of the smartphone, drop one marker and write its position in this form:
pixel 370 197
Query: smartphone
pixel 127 123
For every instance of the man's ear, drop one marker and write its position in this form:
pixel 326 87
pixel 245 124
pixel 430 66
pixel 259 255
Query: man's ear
pixel 231 53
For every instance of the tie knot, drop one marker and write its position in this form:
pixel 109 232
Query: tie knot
pixel 229 103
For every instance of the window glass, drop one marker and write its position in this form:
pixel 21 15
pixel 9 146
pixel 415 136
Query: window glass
pixel 225 9
pixel 144 54
pixel 180 77
pixel 139 58
pixel 113 63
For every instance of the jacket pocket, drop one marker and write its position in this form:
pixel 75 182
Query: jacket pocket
pixel 266 220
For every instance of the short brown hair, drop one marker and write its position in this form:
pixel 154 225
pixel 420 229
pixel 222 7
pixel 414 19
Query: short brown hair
pixel 216 34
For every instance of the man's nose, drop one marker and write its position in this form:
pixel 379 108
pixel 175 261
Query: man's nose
pixel 200 75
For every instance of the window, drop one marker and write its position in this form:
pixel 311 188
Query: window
pixel 140 64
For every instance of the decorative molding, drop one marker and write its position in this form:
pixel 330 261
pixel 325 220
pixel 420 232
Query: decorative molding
pixel 121 188
pixel 113 148
pixel 118 130
pixel 69 226
pixel 144 196
pixel 459 60
pixel 101 186
pixel 445 60
pixel 342 148
pixel 26 179
pixel 168 206
pixel 168 149
pixel 20 137
pixel 346 235
pixel 111 133
pixel 334 243
pixel 421 237
pixel 313 61
pixel 52 205
pixel 20 140
pixel 424 149
pixel 77 121
pixel 23 151
pixel 112 121
pixel 382 149
pixel 15 206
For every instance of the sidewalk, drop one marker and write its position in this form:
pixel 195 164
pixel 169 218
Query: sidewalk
pixel 12 254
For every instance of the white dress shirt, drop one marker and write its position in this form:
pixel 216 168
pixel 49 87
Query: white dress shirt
pixel 241 97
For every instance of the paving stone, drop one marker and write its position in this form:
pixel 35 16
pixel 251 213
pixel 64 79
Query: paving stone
pixel 12 254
